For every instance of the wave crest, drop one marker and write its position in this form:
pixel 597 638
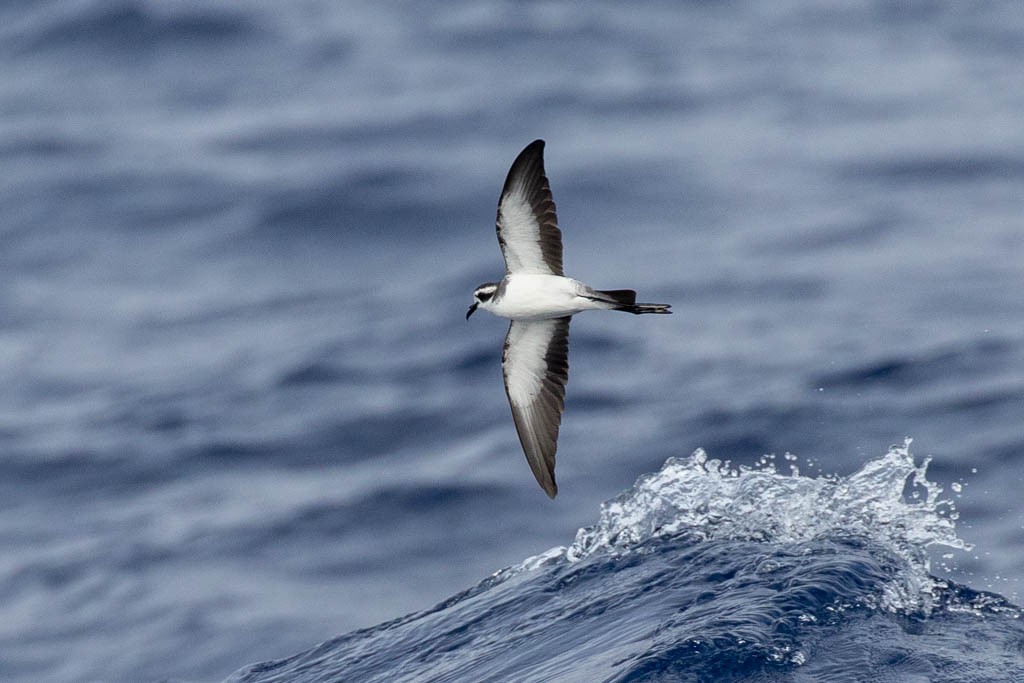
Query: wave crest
pixel 889 503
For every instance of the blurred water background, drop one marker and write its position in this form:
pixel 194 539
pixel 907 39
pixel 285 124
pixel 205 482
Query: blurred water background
pixel 240 409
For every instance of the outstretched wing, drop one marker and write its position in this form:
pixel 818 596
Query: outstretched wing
pixel 527 224
pixel 536 367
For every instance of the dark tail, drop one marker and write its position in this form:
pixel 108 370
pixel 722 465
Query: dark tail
pixel 625 300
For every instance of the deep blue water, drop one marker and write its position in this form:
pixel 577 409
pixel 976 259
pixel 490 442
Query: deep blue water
pixel 241 412
pixel 707 573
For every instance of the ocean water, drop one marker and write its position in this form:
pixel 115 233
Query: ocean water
pixel 703 572
pixel 241 412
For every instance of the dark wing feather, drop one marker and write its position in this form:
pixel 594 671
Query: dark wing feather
pixel 535 363
pixel 527 223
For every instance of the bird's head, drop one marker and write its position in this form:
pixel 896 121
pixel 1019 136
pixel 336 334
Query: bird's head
pixel 483 297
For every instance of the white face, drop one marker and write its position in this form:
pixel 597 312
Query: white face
pixel 484 293
pixel 483 297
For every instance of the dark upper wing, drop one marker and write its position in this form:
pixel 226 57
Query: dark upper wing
pixel 527 225
pixel 536 367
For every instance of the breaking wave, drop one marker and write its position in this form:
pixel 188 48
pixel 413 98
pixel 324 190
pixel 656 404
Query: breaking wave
pixel 706 572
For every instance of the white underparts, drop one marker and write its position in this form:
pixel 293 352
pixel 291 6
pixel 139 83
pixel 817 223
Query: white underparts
pixel 535 296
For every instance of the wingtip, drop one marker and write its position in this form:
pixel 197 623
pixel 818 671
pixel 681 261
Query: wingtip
pixel 535 148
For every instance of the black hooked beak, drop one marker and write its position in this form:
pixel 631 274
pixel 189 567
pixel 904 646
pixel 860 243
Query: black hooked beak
pixel 471 309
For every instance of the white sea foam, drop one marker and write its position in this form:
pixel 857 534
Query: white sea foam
pixel 889 503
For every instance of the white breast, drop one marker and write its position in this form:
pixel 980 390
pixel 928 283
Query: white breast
pixel 535 296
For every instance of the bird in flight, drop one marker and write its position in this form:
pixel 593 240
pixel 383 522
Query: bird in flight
pixel 539 300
